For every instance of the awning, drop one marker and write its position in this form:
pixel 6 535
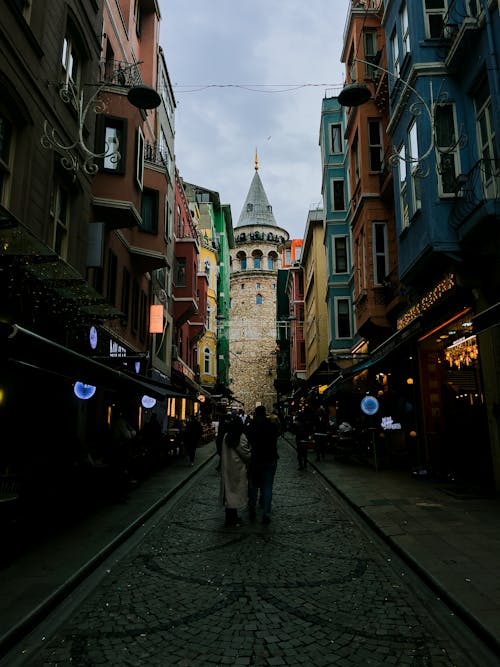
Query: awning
pixel 486 319
pixel 61 283
pixel 25 348
pixel 395 341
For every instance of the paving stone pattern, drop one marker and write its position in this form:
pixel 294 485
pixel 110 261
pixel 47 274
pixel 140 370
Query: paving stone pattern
pixel 312 588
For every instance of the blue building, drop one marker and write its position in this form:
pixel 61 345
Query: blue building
pixel 337 236
pixel 437 78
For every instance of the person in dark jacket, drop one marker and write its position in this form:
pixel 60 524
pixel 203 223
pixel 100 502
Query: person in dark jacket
pixel 262 434
pixel 303 427
pixel 192 436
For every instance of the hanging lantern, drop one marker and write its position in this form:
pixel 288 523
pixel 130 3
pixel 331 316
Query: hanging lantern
pixel 354 94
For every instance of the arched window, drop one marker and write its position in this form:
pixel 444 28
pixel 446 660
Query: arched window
pixel 206 360
pixel 242 258
pixel 256 262
pixel 258 299
pixel 208 269
pixel 270 263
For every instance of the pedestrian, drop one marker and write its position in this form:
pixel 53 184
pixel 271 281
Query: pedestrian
pixel 262 433
pixel 221 432
pixel 303 428
pixel 235 457
pixel 321 432
pixel 192 436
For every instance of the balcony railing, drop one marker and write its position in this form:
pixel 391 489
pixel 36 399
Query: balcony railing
pixel 474 188
pixel 121 73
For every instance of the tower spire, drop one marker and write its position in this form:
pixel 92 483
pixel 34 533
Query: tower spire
pixel 256 161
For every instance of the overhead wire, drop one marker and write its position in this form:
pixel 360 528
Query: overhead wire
pixel 256 87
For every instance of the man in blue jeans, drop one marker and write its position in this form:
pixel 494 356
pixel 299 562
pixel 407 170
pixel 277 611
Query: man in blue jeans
pixel 262 434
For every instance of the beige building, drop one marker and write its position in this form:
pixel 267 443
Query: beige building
pixel 255 261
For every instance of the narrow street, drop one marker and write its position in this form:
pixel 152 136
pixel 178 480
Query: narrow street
pixel 315 587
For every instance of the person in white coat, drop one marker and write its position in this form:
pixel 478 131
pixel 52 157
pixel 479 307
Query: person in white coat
pixel 235 457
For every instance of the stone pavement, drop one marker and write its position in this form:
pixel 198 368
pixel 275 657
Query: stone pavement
pixel 452 542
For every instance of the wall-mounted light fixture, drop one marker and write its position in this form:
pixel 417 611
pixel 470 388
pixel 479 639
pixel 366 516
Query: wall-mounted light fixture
pixel 77 154
pixel 355 94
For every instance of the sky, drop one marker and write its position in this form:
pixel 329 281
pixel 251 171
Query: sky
pixel 251 76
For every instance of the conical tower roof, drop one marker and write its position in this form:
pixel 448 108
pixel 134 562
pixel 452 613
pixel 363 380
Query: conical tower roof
pixel 256 209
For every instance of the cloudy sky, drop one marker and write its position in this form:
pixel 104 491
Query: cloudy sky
pixel 252 75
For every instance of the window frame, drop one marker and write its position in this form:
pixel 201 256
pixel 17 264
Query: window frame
pixel 380 254
pixel 339 317
pixel 340 254
pixel 447 153
pixel 336 204
pixel 431 31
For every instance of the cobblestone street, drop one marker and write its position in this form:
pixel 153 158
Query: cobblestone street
pixel 314 587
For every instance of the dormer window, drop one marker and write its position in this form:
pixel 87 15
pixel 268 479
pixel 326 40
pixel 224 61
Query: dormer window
pixel 249 208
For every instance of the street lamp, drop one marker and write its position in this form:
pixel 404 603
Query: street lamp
pixel 140 96
pixel 355 94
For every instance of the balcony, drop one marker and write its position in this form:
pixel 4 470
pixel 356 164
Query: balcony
pixel 460 25
pixel 477 196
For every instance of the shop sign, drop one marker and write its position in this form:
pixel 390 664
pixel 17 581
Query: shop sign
pixel 388 425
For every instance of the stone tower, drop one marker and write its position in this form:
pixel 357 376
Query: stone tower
pixel 255 261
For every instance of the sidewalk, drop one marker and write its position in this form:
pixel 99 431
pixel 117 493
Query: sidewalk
pixel 453 543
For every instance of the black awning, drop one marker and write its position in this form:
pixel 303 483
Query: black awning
pixel 486 319
pixel 32 350
pixel 391 344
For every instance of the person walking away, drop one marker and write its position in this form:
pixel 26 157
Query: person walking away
pixel 302 428
pixel 221 432
pixel 192 436
pixel 321 431
pixel 262 433
pixel 235 457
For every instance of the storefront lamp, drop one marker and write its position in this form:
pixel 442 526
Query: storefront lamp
pixel 148 402
pixel 355 94
pixel 140 96
pixel 84 391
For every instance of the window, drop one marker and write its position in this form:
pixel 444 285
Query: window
pixel 6 134
pixel 134 319
pixel 242 285
pixel 447 145
pixel 288 256
pixel 370 43
pixel 60 220
pixel 71 65
pixel 270 263
pixel 380 258
pixel 258 286
pixel 338 195
pixel 336 138
pixel 256 262
pixel 273 285
pixel 249 208
pixel 258 299
pixel 138 17
pixel 209 319
pixel 143 318
pixel 485 129
pixel 169 220
pixel 125 305
pixel 414 165
pixel 374 145
pixel 298 251
pixel 403 195
pixel 149 211
pixel 112 277
pixel 343 318
pixel 180 272
pixel 208 270
pixel 434 18
pixel 139 166
pixel 340 254
pixel 206 360
pixel 355 158
pixel 395 53
pixel 405 30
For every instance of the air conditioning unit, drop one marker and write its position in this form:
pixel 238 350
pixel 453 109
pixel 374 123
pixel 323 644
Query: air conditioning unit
pixel 175 352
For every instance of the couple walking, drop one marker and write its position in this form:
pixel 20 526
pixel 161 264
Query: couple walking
pixel 249 457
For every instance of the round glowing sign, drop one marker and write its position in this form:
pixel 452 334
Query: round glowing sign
pixel 84 391
pixel 93 337
pixel 148 401
pixel 369 405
